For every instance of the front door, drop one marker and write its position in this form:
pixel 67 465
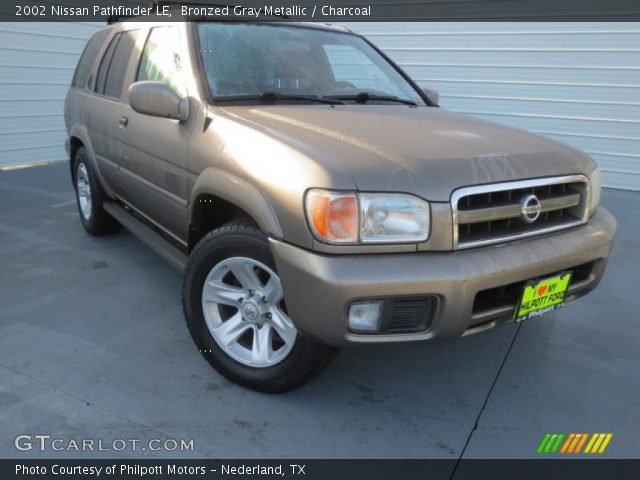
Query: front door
pixel 153 171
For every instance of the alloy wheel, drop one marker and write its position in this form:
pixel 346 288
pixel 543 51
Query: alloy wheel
pixel 83 187
pixel 243 305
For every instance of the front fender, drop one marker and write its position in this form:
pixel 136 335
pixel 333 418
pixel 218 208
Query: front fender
pixel 239 192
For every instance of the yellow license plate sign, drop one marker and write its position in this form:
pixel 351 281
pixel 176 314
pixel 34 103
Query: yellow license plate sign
pixel 540 297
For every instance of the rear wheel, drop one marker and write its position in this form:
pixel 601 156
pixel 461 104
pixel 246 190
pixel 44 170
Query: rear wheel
pixel 235 309
pixel 90 197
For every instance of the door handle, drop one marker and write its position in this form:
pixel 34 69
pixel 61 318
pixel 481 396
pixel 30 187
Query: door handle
pixel 123 122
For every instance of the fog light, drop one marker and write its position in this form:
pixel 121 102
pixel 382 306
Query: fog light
pixel 365 317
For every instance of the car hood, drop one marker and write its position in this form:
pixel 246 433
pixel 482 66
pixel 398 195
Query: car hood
pixel 423 150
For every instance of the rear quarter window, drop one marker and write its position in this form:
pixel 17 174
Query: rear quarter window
pixel 89 55
pixel 101 79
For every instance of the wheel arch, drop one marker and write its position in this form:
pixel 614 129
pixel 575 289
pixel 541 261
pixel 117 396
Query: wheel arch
pixel 79 136
pixel 219 197
pixel 75 144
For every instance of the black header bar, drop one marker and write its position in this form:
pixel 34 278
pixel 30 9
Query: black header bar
pixel 321 10
pixel 320 469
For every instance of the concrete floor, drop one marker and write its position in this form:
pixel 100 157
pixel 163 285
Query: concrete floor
pixel 93 345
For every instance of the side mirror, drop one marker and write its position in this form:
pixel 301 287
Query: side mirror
pixel 158 100
pixel 432 95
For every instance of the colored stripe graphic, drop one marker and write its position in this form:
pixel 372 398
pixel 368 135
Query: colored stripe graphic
pixel 581 442
pixel 556 445
pixel 605 443
pixel 598 443
pixel 551 443
pixel 574 442
pixel 570 438
pixel 590 444
pixel 543 443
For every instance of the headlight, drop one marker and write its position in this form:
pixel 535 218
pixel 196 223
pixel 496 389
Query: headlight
pixel 352 218
pixel 393 218
pixel 595 184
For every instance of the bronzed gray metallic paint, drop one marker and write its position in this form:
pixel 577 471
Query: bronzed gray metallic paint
pixel 263 158
pixel 318 287
pixel 158 100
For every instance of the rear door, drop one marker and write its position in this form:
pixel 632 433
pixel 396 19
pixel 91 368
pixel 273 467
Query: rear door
pixel 106 117
pixel 154 169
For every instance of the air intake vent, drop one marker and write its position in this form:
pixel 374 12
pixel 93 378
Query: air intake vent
pixel 408 315
pixel 501 212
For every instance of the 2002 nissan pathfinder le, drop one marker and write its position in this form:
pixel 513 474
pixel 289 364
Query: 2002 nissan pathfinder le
pixel 316 197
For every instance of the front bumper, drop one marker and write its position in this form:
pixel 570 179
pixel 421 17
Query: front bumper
pixel 318 288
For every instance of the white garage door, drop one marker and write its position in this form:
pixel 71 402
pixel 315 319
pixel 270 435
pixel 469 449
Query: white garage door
pixel 37 61
pixel 578 83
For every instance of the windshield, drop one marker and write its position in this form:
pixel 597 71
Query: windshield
pixel 249 60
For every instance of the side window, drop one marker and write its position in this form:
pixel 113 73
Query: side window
pixel 119 64
pixel 162 60
pixel 87 58
pixel 101 79
pixel 113 67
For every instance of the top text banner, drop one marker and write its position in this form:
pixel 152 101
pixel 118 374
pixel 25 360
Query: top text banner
pixel 319 10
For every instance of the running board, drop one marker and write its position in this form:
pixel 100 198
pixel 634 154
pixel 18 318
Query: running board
pixel 147 235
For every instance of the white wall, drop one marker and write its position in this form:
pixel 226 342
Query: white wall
pixel 578 83
pixel 37 61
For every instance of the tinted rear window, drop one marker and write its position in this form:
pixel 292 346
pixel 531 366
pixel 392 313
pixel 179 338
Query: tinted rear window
pixel 119 64
pixel 87 58
pixel 101 79
pixel 113 67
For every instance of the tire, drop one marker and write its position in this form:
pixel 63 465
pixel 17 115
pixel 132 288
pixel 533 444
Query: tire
pixel 228 331
pixel 90 197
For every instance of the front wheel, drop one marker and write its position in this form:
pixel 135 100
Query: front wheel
pixel 235 310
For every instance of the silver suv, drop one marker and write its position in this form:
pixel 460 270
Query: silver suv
pixel 315 196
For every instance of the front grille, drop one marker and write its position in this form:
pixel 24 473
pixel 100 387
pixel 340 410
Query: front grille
pixel 408 315
pixel 487 214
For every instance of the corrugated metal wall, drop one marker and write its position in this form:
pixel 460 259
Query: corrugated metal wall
pixel 37 61
pixel 578 83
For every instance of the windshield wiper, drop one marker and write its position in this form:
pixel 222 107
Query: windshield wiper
pixel 364 97
pixel 281 96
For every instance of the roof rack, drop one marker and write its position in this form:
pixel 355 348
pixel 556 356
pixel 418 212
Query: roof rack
pixel 156 4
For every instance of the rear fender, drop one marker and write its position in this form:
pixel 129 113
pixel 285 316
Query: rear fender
pixel 81 133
